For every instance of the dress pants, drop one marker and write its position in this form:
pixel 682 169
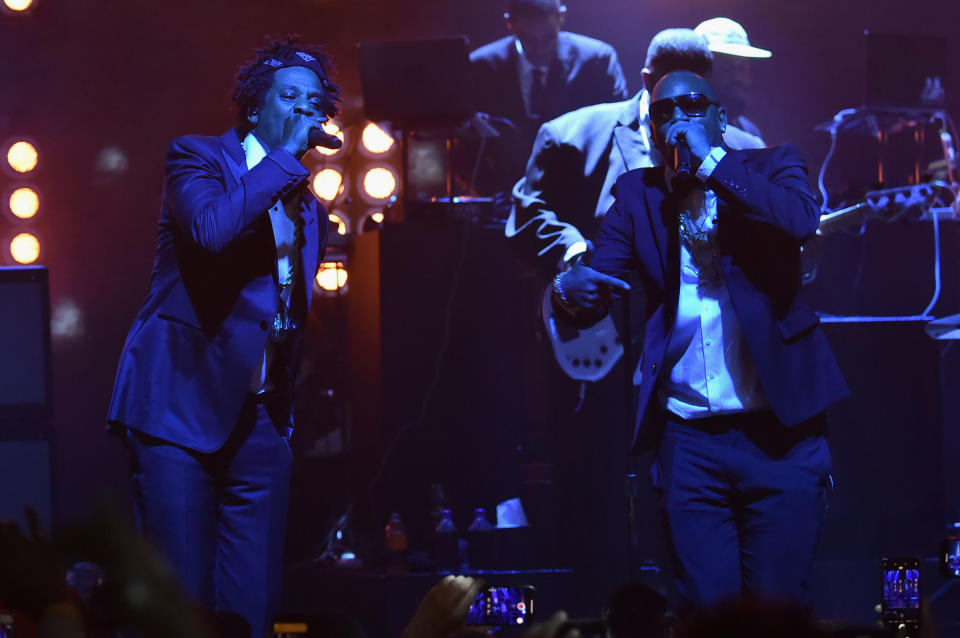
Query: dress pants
pixel 220 518
pixel 742 498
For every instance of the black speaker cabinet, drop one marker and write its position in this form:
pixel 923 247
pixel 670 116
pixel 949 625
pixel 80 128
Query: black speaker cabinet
pixel 894 463
pixel 25 372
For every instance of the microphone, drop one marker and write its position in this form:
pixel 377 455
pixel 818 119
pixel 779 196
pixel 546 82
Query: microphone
pixel 319 137
pixel 681 158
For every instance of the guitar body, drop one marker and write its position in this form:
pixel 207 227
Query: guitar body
pixel 586 354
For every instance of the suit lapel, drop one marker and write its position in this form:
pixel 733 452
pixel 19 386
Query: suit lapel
pixel 309 253
pixel 661 213
pixel 633 146
pixel 233 155
pixel 513 94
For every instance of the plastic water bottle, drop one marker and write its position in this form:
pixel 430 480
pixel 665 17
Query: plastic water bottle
pixel 395 537
pixel 480 538
pixel 446 541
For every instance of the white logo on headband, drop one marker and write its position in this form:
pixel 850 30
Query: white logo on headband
pixel 306 57
pixel 273 63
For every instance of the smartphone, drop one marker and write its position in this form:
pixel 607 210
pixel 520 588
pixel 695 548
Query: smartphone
pixel 498 606
pixel 950 557
pixel 901 592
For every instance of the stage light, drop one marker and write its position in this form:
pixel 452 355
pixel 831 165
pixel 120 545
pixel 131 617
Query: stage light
pixel 375 139
pixel 340 223
pixel 332 128
pixel 24 203
pixel 328 183
pixel 373 220
pixel 18 5
pixel 22 156
pixel 332 276
pixel 379 183
pixel 25 248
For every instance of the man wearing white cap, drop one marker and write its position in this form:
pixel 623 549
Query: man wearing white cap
pixel 732 56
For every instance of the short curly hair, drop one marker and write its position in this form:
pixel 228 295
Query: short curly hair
pixel 678 50
pixel 252 84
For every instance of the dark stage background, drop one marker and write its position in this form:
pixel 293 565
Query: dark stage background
pixel 82 75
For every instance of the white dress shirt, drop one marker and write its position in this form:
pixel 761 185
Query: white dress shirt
pixel 284 234
pixel 710 368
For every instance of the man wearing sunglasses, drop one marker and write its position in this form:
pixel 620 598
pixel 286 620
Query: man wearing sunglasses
pixel 735 371
pixel 578 156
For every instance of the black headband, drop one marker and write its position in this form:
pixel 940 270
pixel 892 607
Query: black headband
pixel 295 58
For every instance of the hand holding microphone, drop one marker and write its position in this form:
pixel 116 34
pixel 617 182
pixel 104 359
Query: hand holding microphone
pixel 690 146
pixel 302 132
pixel 319 137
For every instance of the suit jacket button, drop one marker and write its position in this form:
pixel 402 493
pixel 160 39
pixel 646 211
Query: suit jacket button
pixel 653 367
pixel 263 324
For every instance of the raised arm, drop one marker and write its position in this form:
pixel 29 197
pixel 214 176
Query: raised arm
pixel 782 200
pixel 208 206
pixel 547 197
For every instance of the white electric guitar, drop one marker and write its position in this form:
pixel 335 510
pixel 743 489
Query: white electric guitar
pixel 586 354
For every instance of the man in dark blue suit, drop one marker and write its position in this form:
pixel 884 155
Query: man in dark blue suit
pixel 735 372
pixel 203 394
pixel 535 74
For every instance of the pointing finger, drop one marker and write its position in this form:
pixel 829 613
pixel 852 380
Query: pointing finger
pixel 612 282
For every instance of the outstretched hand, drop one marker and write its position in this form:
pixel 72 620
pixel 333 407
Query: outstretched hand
pixel 444 608
pixel 31 578
pixel 587 288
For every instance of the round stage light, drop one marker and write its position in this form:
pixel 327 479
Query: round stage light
pixel 379 183
pixel 332 128
pixel 327 184
pixel 18 5
pixel 332 276
pixel 22 156
pixel 24 203
pixel 375 139
pixel 339 222
pixel 25 248
pixel 373 220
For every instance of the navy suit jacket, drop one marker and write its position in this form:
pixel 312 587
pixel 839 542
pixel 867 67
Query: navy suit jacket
pixel 191 354
pixel 764 210
pixel 585 72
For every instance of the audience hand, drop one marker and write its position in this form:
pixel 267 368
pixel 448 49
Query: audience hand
pixel 31 578
pixel 444 608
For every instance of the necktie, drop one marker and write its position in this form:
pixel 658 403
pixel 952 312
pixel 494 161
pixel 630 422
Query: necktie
pixel 538 95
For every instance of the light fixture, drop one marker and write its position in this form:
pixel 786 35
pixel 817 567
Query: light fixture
pixel 332 276
pixel 18 6
pixel 22 156
pixel 25 248
pixel 373 220
pixel 24 203
pixel 375 140
pixel 339 222
pixel 327 184
pixel 379 183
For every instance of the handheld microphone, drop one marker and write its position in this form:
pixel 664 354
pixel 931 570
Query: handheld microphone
pixel 319 137
pixel 681 158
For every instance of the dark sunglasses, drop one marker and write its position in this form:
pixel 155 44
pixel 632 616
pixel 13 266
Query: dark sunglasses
pixel 693 104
